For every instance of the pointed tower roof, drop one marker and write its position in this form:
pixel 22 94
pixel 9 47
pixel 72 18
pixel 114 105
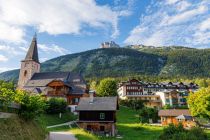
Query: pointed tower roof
pixel 32 53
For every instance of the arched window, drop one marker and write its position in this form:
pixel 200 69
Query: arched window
pixel 25 72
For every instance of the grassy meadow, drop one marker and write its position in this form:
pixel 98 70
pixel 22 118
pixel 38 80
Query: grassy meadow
pixel 53 119
pixel 17 129
pixel 128 127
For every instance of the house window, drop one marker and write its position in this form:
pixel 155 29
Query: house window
pixel 102 116
pixel 76 100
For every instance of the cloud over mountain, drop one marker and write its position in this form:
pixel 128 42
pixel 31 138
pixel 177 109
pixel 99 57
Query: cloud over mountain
pixel 170 22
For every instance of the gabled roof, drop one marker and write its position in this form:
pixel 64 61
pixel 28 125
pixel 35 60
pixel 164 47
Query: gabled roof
pixel 73 80
pixel 174 112
pixel 98 104
pixel 51 75
pixel 32 54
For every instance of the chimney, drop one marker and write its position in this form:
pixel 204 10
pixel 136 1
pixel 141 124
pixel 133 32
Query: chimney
pixel 91 96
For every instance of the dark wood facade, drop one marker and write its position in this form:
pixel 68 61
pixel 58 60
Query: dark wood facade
pixel 97 116
pixel 98 122
pixel 58 88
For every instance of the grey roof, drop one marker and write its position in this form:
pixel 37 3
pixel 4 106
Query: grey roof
pixel 43 78
pixel 98 104
pixel 174 112
pixel 32 53
pixel 73 80
pixel 50 75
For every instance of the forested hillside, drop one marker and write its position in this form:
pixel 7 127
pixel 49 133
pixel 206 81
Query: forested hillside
pixel 181 61
pixel 131 60
pixel 102 63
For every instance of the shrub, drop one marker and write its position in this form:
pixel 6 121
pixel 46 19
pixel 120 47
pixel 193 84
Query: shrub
pixel 56 105
pixel 148 113
pixel 31 105
pixel 173 132
pixel 134 104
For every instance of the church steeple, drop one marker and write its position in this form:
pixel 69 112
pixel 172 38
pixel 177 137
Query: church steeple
pixel 29 65
pixel 33 51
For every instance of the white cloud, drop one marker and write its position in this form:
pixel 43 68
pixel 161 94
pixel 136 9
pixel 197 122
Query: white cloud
pixel 171 1
pixel 205 25
pixel 186 16
pixel 10 33
pixel 55 17
pixel 10 50
pixel 183 5
pixel 43 59
pixel 53 48
pixel 2 69
pixel 166 24
pixel 3 58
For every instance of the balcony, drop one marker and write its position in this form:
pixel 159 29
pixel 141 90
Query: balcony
pixel 57 93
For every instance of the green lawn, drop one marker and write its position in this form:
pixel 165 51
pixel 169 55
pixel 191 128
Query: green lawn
pixel 48 120
pixel 128 127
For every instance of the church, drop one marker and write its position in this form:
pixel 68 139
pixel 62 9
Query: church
pixel 67 85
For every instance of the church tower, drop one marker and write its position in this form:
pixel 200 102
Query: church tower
pixel 29 65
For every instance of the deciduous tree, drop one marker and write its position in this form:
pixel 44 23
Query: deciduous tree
pixel 199 103
pixel 107 87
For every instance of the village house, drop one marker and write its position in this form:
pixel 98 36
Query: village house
pixel 137 90
pixel 156 94
pixel 98 114
pixel 67 85
pixel 176 116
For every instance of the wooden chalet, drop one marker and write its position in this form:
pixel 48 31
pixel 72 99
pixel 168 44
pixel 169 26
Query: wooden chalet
pixel 67 85
pixel 176 116
pixel 98 114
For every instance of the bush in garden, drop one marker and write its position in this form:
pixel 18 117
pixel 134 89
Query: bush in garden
pixel 31 105
pixel 173 132
pixel 56 105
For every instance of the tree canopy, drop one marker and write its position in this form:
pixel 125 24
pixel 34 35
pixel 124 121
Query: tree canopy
pixel 107 87
pixel 199 103
pixel 7 93
pixel 31 104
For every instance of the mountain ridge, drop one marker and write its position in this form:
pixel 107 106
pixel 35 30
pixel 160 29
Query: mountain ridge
pixel 115 62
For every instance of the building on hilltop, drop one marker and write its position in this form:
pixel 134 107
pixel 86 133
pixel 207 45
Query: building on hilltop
pixel 98 114
pixel 67 85
pixel 156 94
pixel 110 44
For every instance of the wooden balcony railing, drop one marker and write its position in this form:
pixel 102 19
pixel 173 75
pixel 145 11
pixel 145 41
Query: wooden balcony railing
pixel 56 93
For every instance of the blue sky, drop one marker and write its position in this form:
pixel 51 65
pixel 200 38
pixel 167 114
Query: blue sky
pixel 70 26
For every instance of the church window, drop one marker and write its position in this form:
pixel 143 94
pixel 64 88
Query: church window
pixel 25 73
